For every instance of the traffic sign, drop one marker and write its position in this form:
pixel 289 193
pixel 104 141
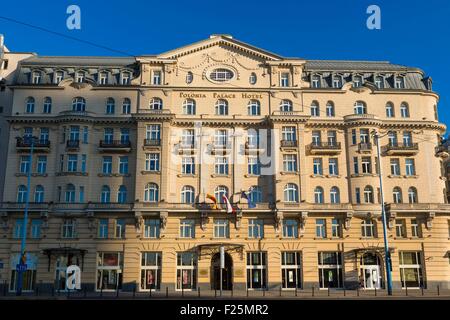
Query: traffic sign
pixel 21 267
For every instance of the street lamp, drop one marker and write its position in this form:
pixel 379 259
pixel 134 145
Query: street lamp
pixel 383 217
pixel 21 267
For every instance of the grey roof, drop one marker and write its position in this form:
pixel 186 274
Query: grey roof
pixel 344 65
pixel 85 61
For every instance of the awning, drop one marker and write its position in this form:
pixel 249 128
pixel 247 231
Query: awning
pixel 209 249
pixel 62 251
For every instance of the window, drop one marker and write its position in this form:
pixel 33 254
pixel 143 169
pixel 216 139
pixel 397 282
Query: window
pixel 254 166
pixel 392 138
pixel 150 271
pixel 107 165
pixel 404 110
pixel 290 228
pixel 42 164
pixel 108 135
pixel 411 269
pixel 221 107
pixel 189 77
pixel 390 112
pixel 58 77
pixel 395 167
pixel 289 163
pixel 256 228
pixel 103 228
pixel 70 193
pixel 221 75
pixel 284 79
pixel 333 166
pixel 255 194
pixel 366 164
pixel 407 139
pixel 126 77
pixel 337 81
pixel 36 77
pixel 29 105
pixel 368 194
pixel 120 229
pixel 335 195
pixel 221 138
pixel 321 228
pixel 36 227
pixel 68 229
pixel 152 162
pixel 72 163
pixel 221 165
pixel 189 107
pixel 256 270
pixel 355 165
pixel 103 78
pixel 219 192
pixel 80 76
pixel 368 228
pixel 105 196
pixel 397 195
pixel 81 194
pixel 186 271
pixel 316 138
pixel 151 192
pixel 415 228
pixel 412 195
pixel 317 166
pixel 360 108
pixel 252 79
pixel 109 270
pixel 336 228
pixel 318 195
pixel 188 138
pixel 18 229
pixel 126 106
pixel 364 135
pixel 47 105
pixel 288 134
pixel 357 81
pixel 188 165
pixel 39 194
pixel 122 194
pixel 221 228
pixel 379 82
pixel 124 135
pixel 358 195
pixel 330 109
pixel 400 228
pixel 410 168
pixel 85 135
pixel 330 269
pixel 399 82
pixel 290 193
pixel 187 228
pixel 28 276
pixel 156 104
pixel 78 104
pixel 151 228
pixel 315 110
pixel 123 165
pixel 83 163
pixel 291 272
pixel 187 194
pixel 156 79
pixel 315 81
pixel 24 166
pixel 254 108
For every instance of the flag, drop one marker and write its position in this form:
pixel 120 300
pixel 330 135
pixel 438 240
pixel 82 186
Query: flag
pixel 230 208
pixel 251 204
pixel 213 199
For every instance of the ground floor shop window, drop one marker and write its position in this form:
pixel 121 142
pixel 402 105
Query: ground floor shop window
pixel 62 262
pixel 186 270
pixel 291 270
pixel 256 270
pixel 330 270
pixel 109 270
pixel 28 277
pixel 151 270
pixel 411 269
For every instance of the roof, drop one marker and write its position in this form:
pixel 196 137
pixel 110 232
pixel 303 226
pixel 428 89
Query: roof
pixel 79 61
pixel 354 65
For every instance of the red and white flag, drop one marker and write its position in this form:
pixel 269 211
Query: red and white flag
pixel 230 208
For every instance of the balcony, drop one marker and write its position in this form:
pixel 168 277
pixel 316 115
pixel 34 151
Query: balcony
pixel 114 146
pixel 251 148
pixel 288 143
pixel 328 147
pixel 365 147
pixel 220 148
pixel 442 151
pixel 185 147
pixel 24 145
pixel 401 148
pixel 152 143
pixel 73 145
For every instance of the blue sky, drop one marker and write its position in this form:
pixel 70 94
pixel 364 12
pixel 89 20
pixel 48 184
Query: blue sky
pixel 414 32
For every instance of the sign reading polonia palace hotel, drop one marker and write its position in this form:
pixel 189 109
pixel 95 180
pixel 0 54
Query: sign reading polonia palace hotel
pixel 146 166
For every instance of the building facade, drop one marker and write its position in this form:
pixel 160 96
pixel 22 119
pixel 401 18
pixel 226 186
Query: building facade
pixel 132 152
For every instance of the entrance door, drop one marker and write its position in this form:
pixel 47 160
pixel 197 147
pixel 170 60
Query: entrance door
pixel 62 262
pixel 371 271
pixel 227 272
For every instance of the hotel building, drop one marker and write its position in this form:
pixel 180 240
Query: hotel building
pixel 130 151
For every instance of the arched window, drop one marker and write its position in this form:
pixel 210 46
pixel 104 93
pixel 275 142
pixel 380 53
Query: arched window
pixel 29 107
pixel 255 194
pixel 318 195
pixel 315 109
pixel 110 106
pixel 390 112
pixel 21 194
pixel 156 104
pixel 47 105
pixel 187 194
pixel 286 105
pixel 222 107
pixel 78 104
pixel 404 110
pixel 335 195
pixel 126 106
pixel 252 79
pixel 151 192
pixel 360 107
pixel 189 77
pixel 106 195
pixel 291 192
pixel 253 108
pixel 219 192
pixel 39 194
pixel 189 107
pixel 412 195
pixel 397 195
pixel 368 194
pixel 70 193
pixel 330 109
pixel 122 194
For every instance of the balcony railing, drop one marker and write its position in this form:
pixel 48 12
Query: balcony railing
pixel 365 147
pixel 325 147
pixel 73 144
pixel 289 143
pixel 401 148
pixel 152 142
pixel 114 145
pixel 24 144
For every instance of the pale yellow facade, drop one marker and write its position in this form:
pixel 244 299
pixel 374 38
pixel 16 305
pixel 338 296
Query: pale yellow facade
pixel 319 202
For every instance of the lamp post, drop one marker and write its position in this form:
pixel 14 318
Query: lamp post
pixel 387 254
pixel 21 266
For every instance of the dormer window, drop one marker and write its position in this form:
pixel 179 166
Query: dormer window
pixel 80 76
pixel 103 78
pixel 125 78
pixel 156 78
pixel 36 79
pixel 400 82
pixel 337 82
pixel 357 81
pixel 59 75
pixel 315 81
pixel 189 77
pixel 284 79
pixel 379 82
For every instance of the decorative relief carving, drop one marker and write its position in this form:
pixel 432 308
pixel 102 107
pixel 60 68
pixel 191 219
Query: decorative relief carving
pixel 278 221
pixel 302 220
pixel 391 219
pixel 163 217
pixel 238 220
pixel 204 220
pixel 348 218
pixel 429 221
